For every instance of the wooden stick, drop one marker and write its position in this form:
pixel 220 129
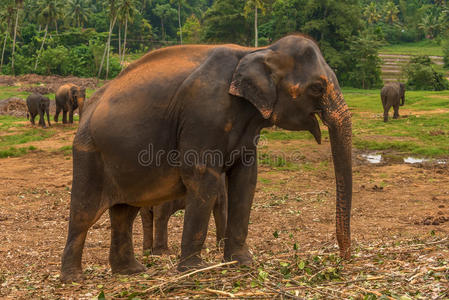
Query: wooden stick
pixel 221 293
pixel 190 274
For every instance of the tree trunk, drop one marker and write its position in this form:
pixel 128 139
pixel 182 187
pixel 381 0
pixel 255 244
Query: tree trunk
pixel 111 25
pixel 42 46
pixel 256 42
pixel 109 47
pixel 14 41
pixel 56 26
pixel 124 40
pixel 3 51
pixel 119 40
pixel 179 20
pixel 163 31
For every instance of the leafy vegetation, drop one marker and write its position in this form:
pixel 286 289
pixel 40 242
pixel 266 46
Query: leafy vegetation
pixel 93 37
pixel 422 75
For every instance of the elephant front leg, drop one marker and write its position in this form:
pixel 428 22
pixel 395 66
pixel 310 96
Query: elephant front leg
pixel 42 119
pixel 121 255
pixel 71 116
pixel 200 198
pixel 221 211
pixel 64 116
pixel 242 179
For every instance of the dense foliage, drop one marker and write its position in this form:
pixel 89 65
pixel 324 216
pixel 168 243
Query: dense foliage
pixel 422 75
pixel 93 37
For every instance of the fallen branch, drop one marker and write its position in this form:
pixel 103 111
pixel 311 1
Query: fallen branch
pixel 375 293
pixel 189 274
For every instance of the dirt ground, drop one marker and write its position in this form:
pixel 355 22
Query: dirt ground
pixel 400 227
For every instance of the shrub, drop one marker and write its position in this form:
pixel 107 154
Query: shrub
pixel 445 45
pixel 421 75
pixel 54 61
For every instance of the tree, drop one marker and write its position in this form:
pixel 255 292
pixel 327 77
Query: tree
pixel 391 12
pixel 256 5
pixel 18 6
pixel 78 12
pixel 6 16
pixel 371 13
pixel 48 12
pixel 126 11
pixel 192 30
pixel 164 12
pixel 112 7
pixel 179 2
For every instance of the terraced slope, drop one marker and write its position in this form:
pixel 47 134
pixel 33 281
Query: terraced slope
pixel 393 64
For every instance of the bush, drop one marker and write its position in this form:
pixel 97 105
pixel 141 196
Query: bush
pixel 421 75
pixel 54 61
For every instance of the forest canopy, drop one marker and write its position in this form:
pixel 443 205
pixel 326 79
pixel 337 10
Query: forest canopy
pixel 95 37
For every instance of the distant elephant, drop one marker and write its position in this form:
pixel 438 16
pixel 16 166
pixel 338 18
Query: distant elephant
pixel 173 121
pixel 38 104
pixel 392 94
pixel 68 98
pixel 155 221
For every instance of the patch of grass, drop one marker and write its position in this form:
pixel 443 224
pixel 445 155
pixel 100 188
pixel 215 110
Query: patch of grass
pixel 425 47
pixel 12 91
pixel 14 152
pixel 66 150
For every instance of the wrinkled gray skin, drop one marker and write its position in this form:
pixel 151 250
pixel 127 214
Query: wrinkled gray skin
pixel 155 221
pixel 69 97
pixel 38 105
pixel 198 99
pixel 392 95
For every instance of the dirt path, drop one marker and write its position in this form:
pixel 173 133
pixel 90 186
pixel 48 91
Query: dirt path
pixel 392 203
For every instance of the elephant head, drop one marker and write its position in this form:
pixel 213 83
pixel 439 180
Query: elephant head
pixel 77 96
pixel 290 84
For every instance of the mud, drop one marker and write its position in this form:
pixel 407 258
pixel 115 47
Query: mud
pixel 47 84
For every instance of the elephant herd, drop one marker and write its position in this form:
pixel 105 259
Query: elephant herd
pixel 68 98
pixel 178 129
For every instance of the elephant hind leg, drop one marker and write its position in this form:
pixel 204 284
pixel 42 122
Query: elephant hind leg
pixel 146 213
pixel 396 111
pixel 386 110
pixel 121 255
pixel 86 207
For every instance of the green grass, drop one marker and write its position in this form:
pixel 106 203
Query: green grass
pixel 420 132
pixel 425 47
pixel 12 91
pixel 15 134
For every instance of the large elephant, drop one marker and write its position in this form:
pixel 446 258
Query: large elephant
pixel 68 98
pixel 38 105
pixel 172 122
pixel 392 94
pixel 155 221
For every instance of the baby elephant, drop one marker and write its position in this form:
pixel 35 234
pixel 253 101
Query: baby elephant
pixel 392 94
pixel 68 98
pixel 38 104
pixel 155 221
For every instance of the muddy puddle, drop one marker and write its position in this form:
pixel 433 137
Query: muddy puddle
pixel 375 158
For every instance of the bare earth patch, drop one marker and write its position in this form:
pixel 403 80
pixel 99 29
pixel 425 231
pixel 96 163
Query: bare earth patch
pixel 291 234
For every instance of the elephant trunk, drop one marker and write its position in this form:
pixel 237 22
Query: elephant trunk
pixel 337 117
pixel 80 106
pixel 402 101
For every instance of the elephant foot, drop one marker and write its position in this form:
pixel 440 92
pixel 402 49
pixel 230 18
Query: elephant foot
pixel 71 276
pixel 242 256
pixel 193 262
pixel 128 269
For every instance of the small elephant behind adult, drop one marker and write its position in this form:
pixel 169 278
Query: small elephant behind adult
pixel 392 95
pixel 68 98
pixel 155 221
pixel 38 105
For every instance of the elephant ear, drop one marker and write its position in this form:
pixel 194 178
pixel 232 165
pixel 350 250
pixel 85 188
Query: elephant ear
pixel 255 79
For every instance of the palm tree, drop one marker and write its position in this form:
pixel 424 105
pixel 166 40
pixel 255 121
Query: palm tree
pixel 18 5
pixel 78 12
pixel 391 12
pixel 112 6
pixel 49 11
pixel 126 11
pixel 256 5
pixel 371 13
pixel 6 17
pixel 180 2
